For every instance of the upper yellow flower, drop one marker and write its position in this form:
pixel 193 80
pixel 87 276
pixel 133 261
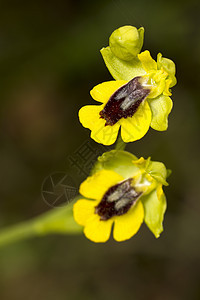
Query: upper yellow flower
pixel 138 100
pixel 125 192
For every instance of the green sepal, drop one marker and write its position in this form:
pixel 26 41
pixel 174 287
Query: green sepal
pixel 120 69
pixel 158 171
pixel 160 106
pixel 169 66
pixel 154 210
pixel 141 38
pixel 169 172
pixel 118 161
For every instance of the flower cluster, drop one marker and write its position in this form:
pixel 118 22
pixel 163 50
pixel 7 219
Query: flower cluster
pixel 123 191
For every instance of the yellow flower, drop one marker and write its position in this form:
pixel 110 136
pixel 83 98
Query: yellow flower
pixel 122 199
pixel 134 104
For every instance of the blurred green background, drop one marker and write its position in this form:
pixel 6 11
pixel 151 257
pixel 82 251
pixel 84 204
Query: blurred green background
pixel 49 61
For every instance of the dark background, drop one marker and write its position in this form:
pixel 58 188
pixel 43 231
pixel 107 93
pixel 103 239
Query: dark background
pixel 49 61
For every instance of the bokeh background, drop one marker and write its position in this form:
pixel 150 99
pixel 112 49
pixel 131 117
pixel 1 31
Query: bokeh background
pixel 49 61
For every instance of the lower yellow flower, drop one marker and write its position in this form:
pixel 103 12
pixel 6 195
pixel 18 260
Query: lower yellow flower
pixel 116 202
pixel 133 105
pixel 122 199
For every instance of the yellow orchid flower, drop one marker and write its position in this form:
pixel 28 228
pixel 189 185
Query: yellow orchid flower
pixel 123 192
pixel 134 104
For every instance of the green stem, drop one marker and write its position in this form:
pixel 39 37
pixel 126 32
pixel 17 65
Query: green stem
pixel 17 232
pixel 57 220
pixel 120 144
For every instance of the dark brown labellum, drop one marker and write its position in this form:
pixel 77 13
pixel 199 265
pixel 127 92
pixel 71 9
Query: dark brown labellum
pixel 117 200
pixel 124 102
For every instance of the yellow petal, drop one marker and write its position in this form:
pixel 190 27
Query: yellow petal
pixel 83 209
pixel 166 91
pixel 159 191
pixel 139 161
pixel 105 135
pixel 135 127
pixel 97 230
pixel 147 61
pixel 89 115
pixel 90 118
pixel 127 225
pixel 95 186
pixel 103 91
pixel 157 89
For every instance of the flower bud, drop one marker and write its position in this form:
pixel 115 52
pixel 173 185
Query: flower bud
pixel 126 42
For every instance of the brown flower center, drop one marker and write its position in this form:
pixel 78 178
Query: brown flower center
pixel 124 102
pixel 117 200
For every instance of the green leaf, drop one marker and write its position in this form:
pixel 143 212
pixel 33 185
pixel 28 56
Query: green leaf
pixel 154 210
pixel 120 69
pixel 160 107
